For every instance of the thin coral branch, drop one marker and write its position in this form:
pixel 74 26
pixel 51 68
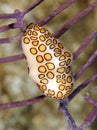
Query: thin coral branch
pixel 56 12
pixel 90 100
pixel 74 20
pixel 11 58
pixel 7 27
pixel 32 7
pixel 22 103
pixel 5 40
pixel 64 109
pixel 13 26
pixel 9 39
pixel 13 15
pixel 7 16
pixel 88 63
pixel 81 87
pixel 19 16
pixel 91 116
pixel 84 44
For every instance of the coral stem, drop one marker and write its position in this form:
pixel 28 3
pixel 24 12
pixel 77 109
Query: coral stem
pixel 91 116
pixel 22 103
pixel 9 39
pixel 78 17
pixel 56 12
pixel 84 44
pixel 32 6
pixel 64 109
pixel 82 86
pixel 11 58
pixel 89 119
pixel 88 63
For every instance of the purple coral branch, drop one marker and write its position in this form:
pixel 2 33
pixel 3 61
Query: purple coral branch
pixel 14 15
pixel 64 109
pixel 81 86
pixel 7 27
pixel 9 39
pixel 22 103
pixel 32 7
pixel 84 44
pixel 11 58
pixel 91 116
pixel 7 16
pixel 56 12
pixel 90 100
pixel 88 63
pixel 19 16
pixel 74 20
pixel 12 26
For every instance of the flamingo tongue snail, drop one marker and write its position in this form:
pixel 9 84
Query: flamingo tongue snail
pixel 48 62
